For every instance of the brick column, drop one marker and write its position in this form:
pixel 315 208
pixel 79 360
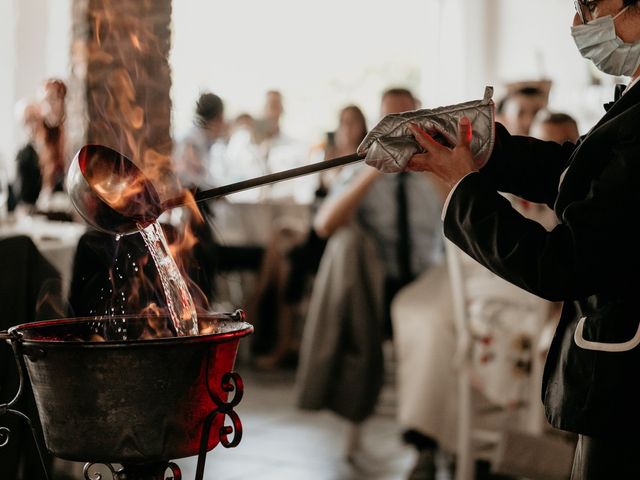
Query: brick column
pixel 121 80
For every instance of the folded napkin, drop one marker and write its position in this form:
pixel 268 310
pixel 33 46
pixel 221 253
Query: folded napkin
pixel 390 145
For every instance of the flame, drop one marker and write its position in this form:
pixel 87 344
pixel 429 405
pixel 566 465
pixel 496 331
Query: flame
pixel 157 323
pixel 156 168
pixel 185 241
pixel 125 106
pixel 49 304
pixel 119 195
pixel 125 98
pixel 97 26
pixel 128 101
pixel 135 40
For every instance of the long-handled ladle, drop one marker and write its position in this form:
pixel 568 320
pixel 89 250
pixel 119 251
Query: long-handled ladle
pixel 113 195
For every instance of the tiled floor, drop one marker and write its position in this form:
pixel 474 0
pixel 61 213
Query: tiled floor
pixel 282 442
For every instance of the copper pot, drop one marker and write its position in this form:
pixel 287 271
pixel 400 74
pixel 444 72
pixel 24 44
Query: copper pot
pixel 134 400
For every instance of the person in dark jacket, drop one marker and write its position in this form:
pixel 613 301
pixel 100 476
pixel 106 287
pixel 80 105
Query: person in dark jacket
pixel 28 177
pixel 590 260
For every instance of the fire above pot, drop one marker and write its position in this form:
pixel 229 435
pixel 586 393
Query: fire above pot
pixel 133 402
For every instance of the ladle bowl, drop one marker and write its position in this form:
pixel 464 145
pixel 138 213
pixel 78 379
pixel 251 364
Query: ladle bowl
pixel 110 192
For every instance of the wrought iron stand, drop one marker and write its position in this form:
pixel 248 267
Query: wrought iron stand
pixel 7 408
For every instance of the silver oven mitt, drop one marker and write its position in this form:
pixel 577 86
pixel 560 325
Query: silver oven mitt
pixel 390 144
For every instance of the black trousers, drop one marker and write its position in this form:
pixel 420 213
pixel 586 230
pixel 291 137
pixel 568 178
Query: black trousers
pixel 606 459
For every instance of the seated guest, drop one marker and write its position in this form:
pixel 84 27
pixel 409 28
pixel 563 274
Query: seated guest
pixel 505 323
pixel 28 180
pixel 41 163
pixel 53 153
pixel 193 161
pixel 383 230
pixel 518 109
pixel 556 127
pixel 240 158
pixel 268 128
pixel 192 153
pixel 290 259
pixel 279 151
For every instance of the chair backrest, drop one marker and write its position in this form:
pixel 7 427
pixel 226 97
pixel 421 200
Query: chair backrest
pixel 474 287
pixel 471 285
pixel 458 293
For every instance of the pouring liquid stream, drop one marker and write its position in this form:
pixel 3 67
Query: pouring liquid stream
pixel 179 302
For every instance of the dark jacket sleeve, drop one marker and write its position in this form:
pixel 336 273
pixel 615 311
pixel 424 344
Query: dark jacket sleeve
pixel 28 177
pixel 593 250
pixel 527 167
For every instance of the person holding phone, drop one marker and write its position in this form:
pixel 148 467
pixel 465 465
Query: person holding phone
pixel 291 260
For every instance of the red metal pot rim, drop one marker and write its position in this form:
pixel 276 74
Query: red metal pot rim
pixel 243 329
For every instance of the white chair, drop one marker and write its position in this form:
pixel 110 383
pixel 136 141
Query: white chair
pixel 473 442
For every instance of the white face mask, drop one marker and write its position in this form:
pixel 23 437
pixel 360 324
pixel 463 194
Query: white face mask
pixel 597 41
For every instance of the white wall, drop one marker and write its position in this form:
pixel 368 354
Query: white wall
pixel 533 40
pixel 7 55
pixel 536 41
pixel 456 64
pixel 321 55
pixel 325 54
pixel 493 42
pixel 34 45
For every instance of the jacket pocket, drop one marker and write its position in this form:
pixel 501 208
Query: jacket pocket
pixel 578 338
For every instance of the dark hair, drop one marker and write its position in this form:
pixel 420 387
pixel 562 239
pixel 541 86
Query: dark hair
pixel 244 117
pixel 528 91
pixel 628 3
pixel 559 118
pixel 399 92
pixel 358 113
pixel 208 107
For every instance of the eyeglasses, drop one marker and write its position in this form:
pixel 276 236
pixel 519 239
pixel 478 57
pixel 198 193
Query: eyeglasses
pixel 578 6
pixel 581 5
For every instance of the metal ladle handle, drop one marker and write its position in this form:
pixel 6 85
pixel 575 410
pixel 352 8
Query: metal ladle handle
pixel 266 179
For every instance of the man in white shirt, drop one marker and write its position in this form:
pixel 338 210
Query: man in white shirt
pixel 192 152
